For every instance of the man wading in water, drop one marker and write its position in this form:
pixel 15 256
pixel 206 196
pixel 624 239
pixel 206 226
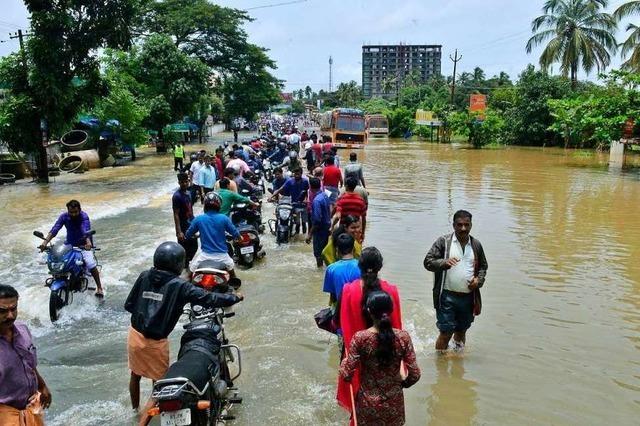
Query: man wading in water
pixel 460 267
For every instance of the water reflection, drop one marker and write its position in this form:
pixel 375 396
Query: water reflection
pixel 453 398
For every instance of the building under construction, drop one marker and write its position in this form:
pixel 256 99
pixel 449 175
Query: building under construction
pixel 385 67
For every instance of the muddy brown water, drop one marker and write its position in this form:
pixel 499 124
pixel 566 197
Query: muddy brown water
pixel 557 343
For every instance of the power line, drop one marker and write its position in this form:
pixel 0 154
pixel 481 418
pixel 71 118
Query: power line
pixel 8 25
pixel 277 4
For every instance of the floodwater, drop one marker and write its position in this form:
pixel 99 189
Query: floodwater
pixel 558 341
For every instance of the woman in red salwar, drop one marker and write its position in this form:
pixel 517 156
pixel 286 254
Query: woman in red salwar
pixel 353 313
pixel 379 351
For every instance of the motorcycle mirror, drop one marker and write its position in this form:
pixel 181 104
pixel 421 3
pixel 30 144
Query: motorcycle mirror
pixel 235 283
pixel 39 234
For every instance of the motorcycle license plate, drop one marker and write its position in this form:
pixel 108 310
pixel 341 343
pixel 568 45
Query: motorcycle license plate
pixel 176 418
pixel 246 250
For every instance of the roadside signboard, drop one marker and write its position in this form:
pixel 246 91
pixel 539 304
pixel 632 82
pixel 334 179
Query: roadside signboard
pixel 478 104
pixel 427 118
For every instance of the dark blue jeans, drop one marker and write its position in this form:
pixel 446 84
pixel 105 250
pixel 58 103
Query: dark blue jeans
pixel 320 241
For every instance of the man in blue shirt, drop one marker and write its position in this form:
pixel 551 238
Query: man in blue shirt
pixel 207 177
pixel 295 187
pixel 78 225
pixel 213 227
pixel 320 221
pixel 343 271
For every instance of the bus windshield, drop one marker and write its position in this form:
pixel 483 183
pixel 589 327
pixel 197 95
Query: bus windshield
pixel 355 124
pixel 378 123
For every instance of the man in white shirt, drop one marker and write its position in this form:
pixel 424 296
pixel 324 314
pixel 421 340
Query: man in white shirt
pixel 194 175
pixel 460 268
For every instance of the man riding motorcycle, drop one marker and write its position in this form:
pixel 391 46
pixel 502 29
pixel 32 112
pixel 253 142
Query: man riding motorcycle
pixel 78 225
pixel 213 226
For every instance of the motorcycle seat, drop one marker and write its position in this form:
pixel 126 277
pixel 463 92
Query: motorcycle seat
pixel 195 366
pixel 244 227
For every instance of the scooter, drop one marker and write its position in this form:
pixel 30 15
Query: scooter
pixel 198 388
pixel 68 274
pixel 281 226
pixel 248 248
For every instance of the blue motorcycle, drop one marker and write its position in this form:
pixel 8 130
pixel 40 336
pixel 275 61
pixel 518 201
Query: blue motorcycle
pixel 68 274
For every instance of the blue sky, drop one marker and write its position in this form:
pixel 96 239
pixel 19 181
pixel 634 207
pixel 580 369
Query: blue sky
pixel 302 35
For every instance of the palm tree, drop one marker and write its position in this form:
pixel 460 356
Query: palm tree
pixel 308 92
pixel 579 34
pixel 387 84
pixel 632 44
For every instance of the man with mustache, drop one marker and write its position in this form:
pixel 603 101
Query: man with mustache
pixel 23 392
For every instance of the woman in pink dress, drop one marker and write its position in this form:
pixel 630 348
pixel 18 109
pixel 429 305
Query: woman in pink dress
pixel 353 313
pixel 379 351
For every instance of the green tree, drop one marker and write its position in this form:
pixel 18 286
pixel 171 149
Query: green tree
pixel 630 48
pixel 579 34
pixel 170 81
pixel 308 92
pixel 389 84
pixel 212 33
pixel 400 120
pixel 349 94
pixel 253 90
pixel 374 106
pixel 528 118
pixel 63 72
pixel 122 105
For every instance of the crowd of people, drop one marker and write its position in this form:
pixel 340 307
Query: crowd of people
pixel 377 356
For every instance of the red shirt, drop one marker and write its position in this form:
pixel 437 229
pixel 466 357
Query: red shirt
pixel 219 167
pixel 326 147
pixel 351 204
pixel 332 176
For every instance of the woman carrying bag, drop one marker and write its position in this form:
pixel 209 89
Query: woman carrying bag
pixel 379 352
pixel 354 316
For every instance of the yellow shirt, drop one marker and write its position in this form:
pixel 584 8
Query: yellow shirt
pixel 330 256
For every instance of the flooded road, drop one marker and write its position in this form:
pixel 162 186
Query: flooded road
pixel 558 341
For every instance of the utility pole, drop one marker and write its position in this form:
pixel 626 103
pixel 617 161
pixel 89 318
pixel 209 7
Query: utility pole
pixel 43 163
pixel 455 60
pixel 330 74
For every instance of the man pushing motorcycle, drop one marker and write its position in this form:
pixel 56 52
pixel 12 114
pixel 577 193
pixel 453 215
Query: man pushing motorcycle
pixel 78 226
pixel 156 303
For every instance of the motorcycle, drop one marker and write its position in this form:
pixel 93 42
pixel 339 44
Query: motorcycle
pixel 281 226
pixel 248 248
pixel 68 274
pixel 198 388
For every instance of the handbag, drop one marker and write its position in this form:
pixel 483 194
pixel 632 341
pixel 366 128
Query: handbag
pixel 325 320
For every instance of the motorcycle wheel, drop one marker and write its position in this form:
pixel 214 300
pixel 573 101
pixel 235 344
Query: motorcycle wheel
pixel 57 300
pixel 282 237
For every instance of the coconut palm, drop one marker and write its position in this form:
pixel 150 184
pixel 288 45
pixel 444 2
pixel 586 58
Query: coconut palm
pixel 387 84
pixel 579 33
pixel 631 46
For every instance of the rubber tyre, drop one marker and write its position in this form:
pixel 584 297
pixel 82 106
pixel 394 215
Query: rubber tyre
pixel 56 303
pixel 282 237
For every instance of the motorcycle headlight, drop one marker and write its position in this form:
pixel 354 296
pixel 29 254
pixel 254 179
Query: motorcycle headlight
pixel 56 266
pixel 284 214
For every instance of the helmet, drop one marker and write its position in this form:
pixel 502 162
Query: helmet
pixel 212 201
pixel 170 257
pixel 282 145
pixel 293 155
pixel 307 145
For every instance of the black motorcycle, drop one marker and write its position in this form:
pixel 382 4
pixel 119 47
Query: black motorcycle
pixel 198 388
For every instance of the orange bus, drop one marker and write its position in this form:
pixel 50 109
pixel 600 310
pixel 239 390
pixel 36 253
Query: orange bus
pixel 377 126
pixel 345 127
